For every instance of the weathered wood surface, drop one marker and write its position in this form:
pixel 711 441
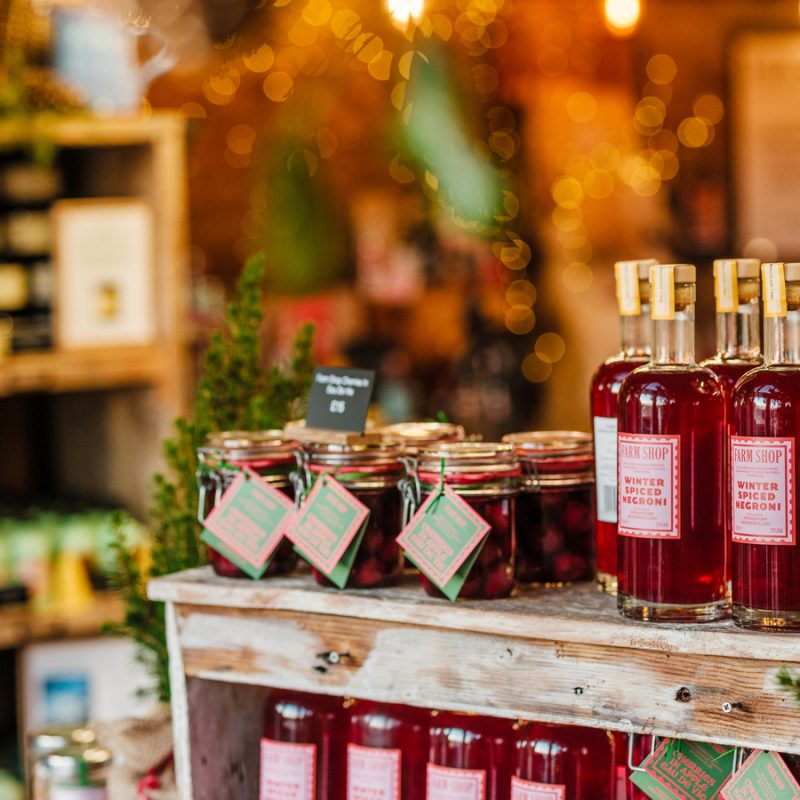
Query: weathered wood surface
pixel 561 656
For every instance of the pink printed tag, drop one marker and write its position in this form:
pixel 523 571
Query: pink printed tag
pixel 649 485
pixel 528 790
pixel 288 771
pixel 445 783
pixel 373 773
pixel 762 490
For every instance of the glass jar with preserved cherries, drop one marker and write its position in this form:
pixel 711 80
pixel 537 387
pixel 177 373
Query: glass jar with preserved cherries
pixel 486 476
pixel 417 435
pixel 673 561
pixel 555 521
pixel 372 473
pixel 221 460
pixel 764 468
pixel 633 300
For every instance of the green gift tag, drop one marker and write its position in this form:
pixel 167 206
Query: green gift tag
pixel 683 770
pixel 443 539
pixel 247 525
pixel 764 776
pixel 328 529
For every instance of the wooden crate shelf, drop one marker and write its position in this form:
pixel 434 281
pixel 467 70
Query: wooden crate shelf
pixel 552 655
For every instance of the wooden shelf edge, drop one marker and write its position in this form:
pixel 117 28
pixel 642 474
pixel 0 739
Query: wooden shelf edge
pixel 579 614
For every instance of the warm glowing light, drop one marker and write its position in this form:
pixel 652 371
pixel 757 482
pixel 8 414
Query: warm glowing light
pixel 622 16
pixel 404 12
pixel 550 347
pixel 535 370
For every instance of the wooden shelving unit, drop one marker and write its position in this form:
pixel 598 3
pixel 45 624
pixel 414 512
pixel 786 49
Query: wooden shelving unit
pixel 552 655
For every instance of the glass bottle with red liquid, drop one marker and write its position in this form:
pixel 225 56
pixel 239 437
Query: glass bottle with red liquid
pixel 222 459
pixel 486 476
pixel 371 472
pixel 633 300
pixel 303 747
pixel 764 453
pixel 671 460
pixel 471 757
pixel 563 762
pixel 387 751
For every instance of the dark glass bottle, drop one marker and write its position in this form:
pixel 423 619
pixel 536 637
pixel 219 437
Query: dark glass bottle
pixel 766 554
pixel 673 562
pixel 633 299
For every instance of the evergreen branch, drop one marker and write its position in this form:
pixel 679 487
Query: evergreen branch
pixel 789 683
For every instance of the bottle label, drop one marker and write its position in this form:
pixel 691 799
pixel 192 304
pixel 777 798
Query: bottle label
pixel 628 298
pixel 662 281
pixel 528 790
pixel 649 486
pixel 726 286
pixel 373 773
pixel 774 288
pixel 288 771
pixel 445 783
pixel 762 490
pixel 605 467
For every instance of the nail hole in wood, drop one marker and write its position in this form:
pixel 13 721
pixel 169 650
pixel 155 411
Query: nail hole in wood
pixel 578 690
pixel 683 695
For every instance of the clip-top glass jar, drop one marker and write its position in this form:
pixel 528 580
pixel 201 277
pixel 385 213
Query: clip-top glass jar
pixel 485 475
pixel 555 518
pixel 222 459
pixel 372 473
pixel 418 435
pixel 77 773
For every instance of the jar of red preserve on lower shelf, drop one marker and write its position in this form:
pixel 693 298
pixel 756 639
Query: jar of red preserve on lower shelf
pixel 555 517
pixel 471 757
pixel 303 747
pixel 372 473
pixel 486 476
pixel 387 751
pixel 563 762
pixel 222 459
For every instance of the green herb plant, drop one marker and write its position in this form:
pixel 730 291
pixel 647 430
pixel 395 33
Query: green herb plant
pixel 235 392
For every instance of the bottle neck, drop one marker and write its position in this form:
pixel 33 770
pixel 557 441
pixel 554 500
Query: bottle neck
pixel 635 334
pixel 673 339
pixel 739 332
pixel 782 338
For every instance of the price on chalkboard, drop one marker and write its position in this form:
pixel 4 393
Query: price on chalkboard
pixel 340 399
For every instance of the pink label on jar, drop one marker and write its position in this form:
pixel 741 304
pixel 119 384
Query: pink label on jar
pixel 446 783
pixel 373 773
pixel 762 489
pixel 649 485
pixel 528 790
pixel 288 771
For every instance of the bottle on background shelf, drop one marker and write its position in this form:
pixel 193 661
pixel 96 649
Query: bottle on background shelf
pixel 563 762
pixel 673 562
pixel 303 747
pixel 471 757
pixel 633 299
pixel 766 555
pixel 387 751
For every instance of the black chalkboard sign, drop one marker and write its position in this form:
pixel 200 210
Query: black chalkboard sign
pixel 340 398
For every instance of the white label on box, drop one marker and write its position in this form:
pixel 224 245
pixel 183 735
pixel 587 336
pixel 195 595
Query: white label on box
pixel 288 771
pixel 373 773
pixel 762 490
pixel 528 790
pixel 605 467
pixel 445 783
pixel 649 486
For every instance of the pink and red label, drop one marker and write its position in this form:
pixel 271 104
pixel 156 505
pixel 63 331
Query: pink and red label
pixel 529 790
pixel 373 773
pixel 649 486
pixel 288 771
pixel 762 490
pixel 446 783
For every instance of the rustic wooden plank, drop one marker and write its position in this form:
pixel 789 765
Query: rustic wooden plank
pixel 578 614
pixel 226 726
pixel 179 703
pixel 549 679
